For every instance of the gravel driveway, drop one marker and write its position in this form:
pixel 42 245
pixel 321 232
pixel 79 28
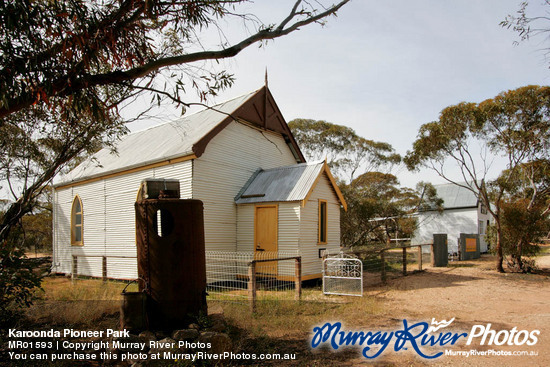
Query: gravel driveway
pixel 474 294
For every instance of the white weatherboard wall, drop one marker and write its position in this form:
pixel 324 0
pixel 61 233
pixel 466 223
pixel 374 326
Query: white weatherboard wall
pixel 108 221
pixel 227 163
pixel 309 226
pixel 482 230
pixel 62 201
pixel 289 227
pixel 288 232
pixel 245 228
pixel 452 222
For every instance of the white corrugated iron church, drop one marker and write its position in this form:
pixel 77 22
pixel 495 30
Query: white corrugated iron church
pixel 239 158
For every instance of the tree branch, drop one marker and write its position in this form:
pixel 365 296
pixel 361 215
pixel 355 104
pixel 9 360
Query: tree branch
pixel 63 87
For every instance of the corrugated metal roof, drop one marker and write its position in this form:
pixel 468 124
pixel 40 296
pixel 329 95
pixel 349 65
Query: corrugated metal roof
pixel 455 196
pixel 156 144
pixel 290 183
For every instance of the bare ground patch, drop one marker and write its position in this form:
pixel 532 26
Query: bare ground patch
pixel 473 293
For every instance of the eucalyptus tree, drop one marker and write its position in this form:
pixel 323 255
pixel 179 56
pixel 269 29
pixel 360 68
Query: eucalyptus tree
pixel 377 205
pixel 347 153
pixel 379 208
pixel 515 126
pixel 68 66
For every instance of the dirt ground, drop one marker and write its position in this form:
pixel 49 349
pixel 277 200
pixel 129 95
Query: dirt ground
pixel 474 294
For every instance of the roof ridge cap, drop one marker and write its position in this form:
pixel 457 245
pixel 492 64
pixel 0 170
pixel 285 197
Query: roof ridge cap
pixel 205 108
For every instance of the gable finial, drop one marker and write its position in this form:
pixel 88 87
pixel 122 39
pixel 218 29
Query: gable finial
pixel 265 101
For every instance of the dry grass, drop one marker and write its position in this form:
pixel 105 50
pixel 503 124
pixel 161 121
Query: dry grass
pixel 83 302
pixel 288 318
pixel 63 289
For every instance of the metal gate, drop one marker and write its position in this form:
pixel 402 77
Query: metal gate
pixel 343 275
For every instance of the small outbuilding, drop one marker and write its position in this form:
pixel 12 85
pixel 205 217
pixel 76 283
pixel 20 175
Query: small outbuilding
pixel 462 212
pixel 288 208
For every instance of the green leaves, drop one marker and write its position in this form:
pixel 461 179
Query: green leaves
pixel 514 125
pixel 378 208
pixel 17 281
pixel 50 50
pixel 347 153
pixel 376 203
pixel 456 125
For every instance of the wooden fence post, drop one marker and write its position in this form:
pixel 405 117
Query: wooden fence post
pixel 404 261
pixel 104 269
pixel 298 279
pixel 74 271
pixel 252 285
pixel 420 258
pixel 432 254
pixel 383 267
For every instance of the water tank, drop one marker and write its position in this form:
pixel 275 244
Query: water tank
pixel 440 256
pixel 171 260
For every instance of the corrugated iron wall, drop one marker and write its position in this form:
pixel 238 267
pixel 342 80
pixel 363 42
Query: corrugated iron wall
pixel 226 165
pixel 309 227
pixel 108 221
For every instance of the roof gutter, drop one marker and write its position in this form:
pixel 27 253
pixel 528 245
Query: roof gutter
pixel 125 170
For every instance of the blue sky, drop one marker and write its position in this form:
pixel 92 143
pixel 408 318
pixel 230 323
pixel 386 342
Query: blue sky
pixel 386 67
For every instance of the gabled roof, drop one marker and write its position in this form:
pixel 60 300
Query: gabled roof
pixel 290 183
pixel 185 137
pixel 455 196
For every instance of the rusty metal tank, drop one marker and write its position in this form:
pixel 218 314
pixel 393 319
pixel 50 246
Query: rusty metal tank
pixel 171 260
pixel 132 310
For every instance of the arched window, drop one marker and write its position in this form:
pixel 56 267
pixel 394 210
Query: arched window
pixel 77 233
pixel 322 239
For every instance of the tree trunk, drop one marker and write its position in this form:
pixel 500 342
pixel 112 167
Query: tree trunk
pixel 500 258
pixel 519 253
pixel 12 216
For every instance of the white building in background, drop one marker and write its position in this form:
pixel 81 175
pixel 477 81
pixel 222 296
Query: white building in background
pixel 462 213
pixel 239 158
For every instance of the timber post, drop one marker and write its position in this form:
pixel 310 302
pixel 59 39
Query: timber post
pixel 104 269
pixel 298 278
pixel 404 261
pixel 420 258
pixel 383 267
pixel 252 285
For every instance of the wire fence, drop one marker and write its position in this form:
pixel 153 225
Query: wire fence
pixel 106 267
pixel 245 277
pixel 253 276
pixel 383 264
pixel 250 277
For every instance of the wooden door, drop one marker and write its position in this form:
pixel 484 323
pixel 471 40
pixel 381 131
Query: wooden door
pixel 265 238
